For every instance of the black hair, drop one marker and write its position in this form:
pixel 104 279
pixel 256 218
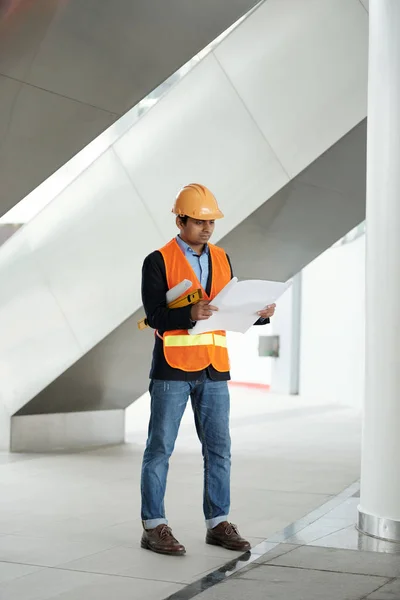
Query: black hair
pixel 184 219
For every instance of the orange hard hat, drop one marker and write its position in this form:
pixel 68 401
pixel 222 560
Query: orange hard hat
pixel 196 201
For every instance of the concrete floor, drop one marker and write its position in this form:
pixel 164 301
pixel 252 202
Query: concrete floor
pixel 70 524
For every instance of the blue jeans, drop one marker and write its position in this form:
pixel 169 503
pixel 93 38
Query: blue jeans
pixel 210 403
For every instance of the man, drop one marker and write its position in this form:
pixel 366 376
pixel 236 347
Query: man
pixel 185 365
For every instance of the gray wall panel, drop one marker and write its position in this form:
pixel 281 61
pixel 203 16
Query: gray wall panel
pixel 112 375
pixel 41 131
pixel 84 62
pixel 305 217
pixel 6 231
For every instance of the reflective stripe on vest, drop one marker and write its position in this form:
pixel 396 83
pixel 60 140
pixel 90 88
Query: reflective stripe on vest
pixel 203 339
pixel 195 352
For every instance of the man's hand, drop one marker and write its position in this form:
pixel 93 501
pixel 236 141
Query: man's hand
pixel 267 312
pixel 202 310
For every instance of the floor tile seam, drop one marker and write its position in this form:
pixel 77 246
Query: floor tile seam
pixel 60 568
pixel 62 563
pixel 328 506
pixel 91 555
pixel 22 564
pixel 285 540
pixel 291 492
pixel 392 580
pixel 69 540
pixel 309 520
pixel 280 555
pixel 121 575
pixel 318 539
pixel 38 569
pixel 300 568
pixel 206 573
pixel 334 501
pixel 72 539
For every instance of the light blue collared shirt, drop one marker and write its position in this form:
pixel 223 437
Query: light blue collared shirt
pixel 199 264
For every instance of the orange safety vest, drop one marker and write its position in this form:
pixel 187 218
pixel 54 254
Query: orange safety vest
pixel 195 352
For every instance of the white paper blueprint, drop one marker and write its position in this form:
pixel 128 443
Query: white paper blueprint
pixel 238 304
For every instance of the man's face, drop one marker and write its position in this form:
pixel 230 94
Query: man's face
pixel 196 232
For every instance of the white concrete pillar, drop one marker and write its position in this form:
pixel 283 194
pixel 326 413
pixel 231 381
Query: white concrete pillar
pixel 379 510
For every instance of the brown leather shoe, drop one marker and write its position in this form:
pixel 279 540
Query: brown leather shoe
pixel 227 535
pixel 162 541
